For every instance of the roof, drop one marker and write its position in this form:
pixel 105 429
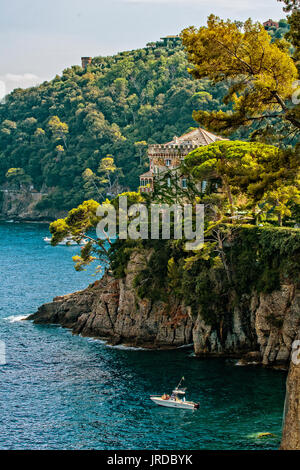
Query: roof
pixel 197 137
pixel 147 174
pixel 171 37
pixel 272 22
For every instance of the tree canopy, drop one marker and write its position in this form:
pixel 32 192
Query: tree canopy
pixel 254 176
pixel 116 106
pixel 260 74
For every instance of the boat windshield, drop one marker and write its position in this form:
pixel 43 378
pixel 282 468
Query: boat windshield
pixel 179 391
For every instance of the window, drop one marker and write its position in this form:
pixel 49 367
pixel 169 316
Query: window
pixel 183 183
pixel 203 186
pixel 168 162
pixel 169 182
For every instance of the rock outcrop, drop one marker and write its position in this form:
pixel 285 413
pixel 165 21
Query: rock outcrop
pixel 266 324
pixel 291 425
pixel 21 205
pixel 110 309
pixel 259 329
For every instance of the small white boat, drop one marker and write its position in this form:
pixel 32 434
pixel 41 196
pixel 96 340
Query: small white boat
pixel 68 241
pixel 175 400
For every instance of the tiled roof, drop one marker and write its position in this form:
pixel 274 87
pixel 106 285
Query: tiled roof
pixel 147 174
pixel 197 137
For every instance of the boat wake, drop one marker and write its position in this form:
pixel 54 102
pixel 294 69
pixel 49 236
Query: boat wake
pixel 117 346
pixel 126 348
pixel 15 318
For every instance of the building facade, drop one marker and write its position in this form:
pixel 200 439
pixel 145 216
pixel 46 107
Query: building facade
pixel 270 24
pixel 85 61
pixel 166 157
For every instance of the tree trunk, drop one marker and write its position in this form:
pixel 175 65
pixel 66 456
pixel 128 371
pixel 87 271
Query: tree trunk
pixel 223 256
pixel 230 199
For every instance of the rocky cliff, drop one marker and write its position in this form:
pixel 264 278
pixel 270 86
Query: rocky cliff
pixel 260 328
pixel 21 205
pixel 291 425
pixel 109 309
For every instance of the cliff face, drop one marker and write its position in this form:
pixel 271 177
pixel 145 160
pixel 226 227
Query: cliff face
pixel 291 427
pixel 266 324
pixel 110 309
pixel 21 205
pixel 260 328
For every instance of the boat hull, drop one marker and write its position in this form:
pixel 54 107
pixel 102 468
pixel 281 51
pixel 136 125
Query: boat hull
pixel 175 404
pixel 66 242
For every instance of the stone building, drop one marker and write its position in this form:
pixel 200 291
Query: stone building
pixel 171 41
pixel 85 61
pixel 270 24
pixel 166 157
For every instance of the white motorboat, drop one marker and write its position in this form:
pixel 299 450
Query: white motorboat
pixel 176 399
pixel 68 241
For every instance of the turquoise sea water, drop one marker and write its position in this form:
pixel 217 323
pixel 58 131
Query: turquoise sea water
pixel 59 391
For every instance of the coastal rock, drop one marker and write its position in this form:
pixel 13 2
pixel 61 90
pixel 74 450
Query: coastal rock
pixel 233 335
pixel 110 309
pixel 266 324
pixel 257 329
pixel 21 205
pixel 291 425
pixel 277 324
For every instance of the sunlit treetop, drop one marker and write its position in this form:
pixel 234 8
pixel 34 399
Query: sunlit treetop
pixel 261 73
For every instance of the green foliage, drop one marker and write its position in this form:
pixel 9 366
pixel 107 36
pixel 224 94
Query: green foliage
pixel 293 35
pixel 77 223
pixel 116 107
pixel 18 176
pixel 260 74
pixel 260 178
pixel 259 260
pixel 57 130
pixel 120 254
pixel 151 282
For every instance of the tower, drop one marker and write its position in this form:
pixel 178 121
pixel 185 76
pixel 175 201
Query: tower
pixel 85 61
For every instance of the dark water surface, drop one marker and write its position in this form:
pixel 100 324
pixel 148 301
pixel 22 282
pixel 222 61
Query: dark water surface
pixel 59 391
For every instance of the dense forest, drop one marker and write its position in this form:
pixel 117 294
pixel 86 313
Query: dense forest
pixel 85 133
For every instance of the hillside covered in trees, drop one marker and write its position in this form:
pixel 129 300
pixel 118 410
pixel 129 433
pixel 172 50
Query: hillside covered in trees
pixel 55 136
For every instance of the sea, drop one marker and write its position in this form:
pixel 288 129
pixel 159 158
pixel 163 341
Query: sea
pixel 60 391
